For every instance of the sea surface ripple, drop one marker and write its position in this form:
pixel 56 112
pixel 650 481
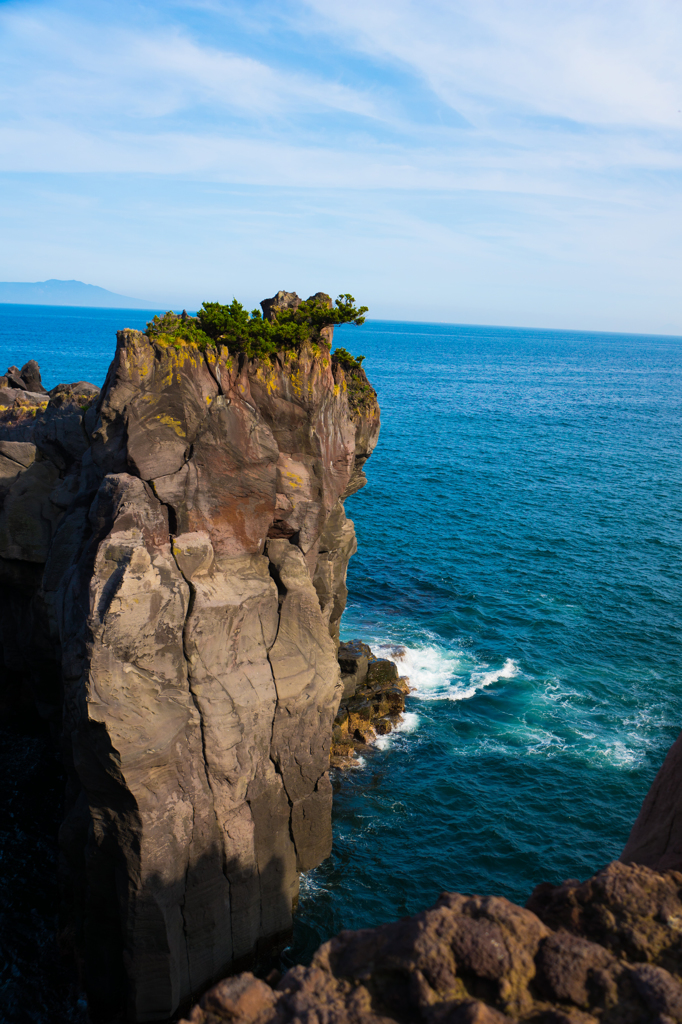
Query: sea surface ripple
pixel 520 538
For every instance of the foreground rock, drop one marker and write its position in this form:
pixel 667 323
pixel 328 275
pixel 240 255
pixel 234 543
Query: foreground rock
pixel 607 950
pixel 173 557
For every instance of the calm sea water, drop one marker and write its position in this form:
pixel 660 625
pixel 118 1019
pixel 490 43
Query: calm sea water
pixel 521 538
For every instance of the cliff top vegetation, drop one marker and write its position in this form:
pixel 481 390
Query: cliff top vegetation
pixel 284 327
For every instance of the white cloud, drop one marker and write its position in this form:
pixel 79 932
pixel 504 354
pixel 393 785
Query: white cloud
pixel 79 95
pixel 596 63
pixel 71 66
pixel 555 198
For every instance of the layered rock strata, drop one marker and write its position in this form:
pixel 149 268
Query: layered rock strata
pixel 175 554
pixel 608 950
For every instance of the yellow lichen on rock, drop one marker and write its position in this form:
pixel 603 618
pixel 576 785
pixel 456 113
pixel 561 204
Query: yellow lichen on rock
pixel 293 479
pixel 267 376
pixel 169 421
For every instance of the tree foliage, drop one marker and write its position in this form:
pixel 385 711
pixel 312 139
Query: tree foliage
pixel 347 361
pixel 241 331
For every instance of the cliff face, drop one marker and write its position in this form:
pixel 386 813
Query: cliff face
pixel 656 837
pixel 189 546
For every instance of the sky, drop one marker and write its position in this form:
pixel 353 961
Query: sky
pixel 510 162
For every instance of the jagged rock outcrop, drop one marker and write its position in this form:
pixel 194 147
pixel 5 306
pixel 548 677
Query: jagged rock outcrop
pixel 607 950
pixel 186 548
pixel 372 702
pixel 25 379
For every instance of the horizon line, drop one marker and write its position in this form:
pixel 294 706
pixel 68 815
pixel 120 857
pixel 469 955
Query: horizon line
pixel 430 323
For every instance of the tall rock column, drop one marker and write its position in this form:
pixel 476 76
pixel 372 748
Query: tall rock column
pixel 196 581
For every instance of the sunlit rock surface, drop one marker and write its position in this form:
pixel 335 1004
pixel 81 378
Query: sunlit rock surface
pixel 173 553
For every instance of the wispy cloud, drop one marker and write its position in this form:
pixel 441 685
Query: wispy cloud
pixel 523 148
pixel 598 63
pixel 69 66
pixel 544 94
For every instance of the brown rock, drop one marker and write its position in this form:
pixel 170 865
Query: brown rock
pixel 30 377
pixel 381 671
pixel 656 837
pixel 566 968
pixel 466 959
pixel 633 912
pixel 197 651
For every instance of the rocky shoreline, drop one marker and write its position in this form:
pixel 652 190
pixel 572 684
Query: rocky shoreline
pixel 372 703
pixel 608 950
pixel 173 555
pixel 604 951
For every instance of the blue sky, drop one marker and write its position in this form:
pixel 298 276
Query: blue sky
pixel 482 161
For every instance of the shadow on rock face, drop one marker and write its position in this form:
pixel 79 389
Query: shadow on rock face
pixel 38 985
pixel 181 548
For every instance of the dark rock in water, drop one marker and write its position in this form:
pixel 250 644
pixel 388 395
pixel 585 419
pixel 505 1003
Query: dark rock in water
pixel 372 702
pixel 353 661
pixel 173 552
pixel 30 375
pixel 600 951
pixel 381 671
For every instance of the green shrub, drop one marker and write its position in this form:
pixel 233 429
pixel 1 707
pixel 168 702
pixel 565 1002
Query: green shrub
pixel 174 329
pixel 250 333
pixel 347 361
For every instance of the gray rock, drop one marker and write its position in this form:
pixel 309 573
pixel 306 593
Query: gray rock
pixel 191 550
pixel 22 452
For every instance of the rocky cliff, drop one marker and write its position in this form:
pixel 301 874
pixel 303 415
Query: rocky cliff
pixel 604 951
pixel 173 553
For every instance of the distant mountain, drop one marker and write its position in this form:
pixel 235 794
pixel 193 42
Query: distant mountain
pixel 66 293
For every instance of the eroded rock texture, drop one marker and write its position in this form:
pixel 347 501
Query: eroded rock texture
pixel 607 950
pixel 174 557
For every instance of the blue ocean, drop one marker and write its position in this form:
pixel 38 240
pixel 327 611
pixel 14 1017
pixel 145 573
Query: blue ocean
pixel 520 546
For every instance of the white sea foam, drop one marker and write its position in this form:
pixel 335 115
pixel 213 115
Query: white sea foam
pixel 409 724
pixel 448 675
pixel 438 673
pixel 428 668
pixel 553 717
